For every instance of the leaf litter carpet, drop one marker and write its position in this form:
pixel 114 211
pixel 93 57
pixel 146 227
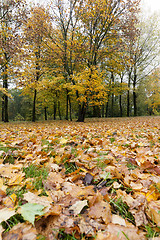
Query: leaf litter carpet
pixel 67 180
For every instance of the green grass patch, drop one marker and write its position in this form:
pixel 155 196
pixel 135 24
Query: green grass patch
pixel 123 209
pixel 131 166
pixel 112 139
pixel 70 167
pixel 38 174
pixel 11 222
pixel 19 193
pixel 151 232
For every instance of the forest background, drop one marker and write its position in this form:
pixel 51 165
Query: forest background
pixel 75 59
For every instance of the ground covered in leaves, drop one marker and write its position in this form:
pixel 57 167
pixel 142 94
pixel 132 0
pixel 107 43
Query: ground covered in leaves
pixel 67 180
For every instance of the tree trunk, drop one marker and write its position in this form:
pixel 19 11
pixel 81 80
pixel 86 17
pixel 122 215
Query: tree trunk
pixel 5 97
pixel 134 95
pixel 102 110
pixel 120 99
pixel 120 105
pixel 55 109
pixel 59 110
pixel 112 106
pixel 3 108
pixel 82 112
pixel 70 109
pixel 128 95
pixel 106 114
pixel 45 113
pixel 34 106
pixel 67 101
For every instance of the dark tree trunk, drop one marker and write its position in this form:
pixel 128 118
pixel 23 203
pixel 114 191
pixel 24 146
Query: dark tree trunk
pixel 106 114
pixel 70 109
pixel 34 106
pixel 67 101
pixel 59 110
pixel 120 105
pixel 3 108
pixel 55 109
pixel 82 112
pixel 134 95
pixel 5 97
pixel 112 106
pixel 102 109
pixel 120 99
pixel 128 95
pixel 45 113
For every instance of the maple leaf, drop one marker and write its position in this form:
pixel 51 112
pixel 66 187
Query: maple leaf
pixel 30 210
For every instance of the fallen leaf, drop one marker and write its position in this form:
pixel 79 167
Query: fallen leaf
pixel 30 210
pixel 5 214
pixel 78 207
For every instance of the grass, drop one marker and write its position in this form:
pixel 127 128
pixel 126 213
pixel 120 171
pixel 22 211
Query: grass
pixel 151 233
pixel 112 139
pixel 101 162
pixel 65 236
pixel 19 193
pixel 38 174
pixel 9 157
pixel 70 167
pixel 122 208
pixel 12 221
pixel 131 166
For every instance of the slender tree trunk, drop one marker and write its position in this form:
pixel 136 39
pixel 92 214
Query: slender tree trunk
pixel 34 106
pixel 134 95
pixel 55 109
pixel 70 109
pixel 59 110
pixel 120 99
pixel 112 106
pixel 120 105
pixel 3 108
pixel 45 113
pixel 5 97
pixel 128 95
pixel 67 101
pixel 102 109
pixel 59 105
pixel 106 114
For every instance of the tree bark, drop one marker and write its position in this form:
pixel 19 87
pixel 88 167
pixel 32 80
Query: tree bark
pixel 82 112
pixel 67 101
pixel 55 109
pixel 70 109
pixel 134 94
pixel 112 106
pixel 34 106
pixel 106 113
pixel 102 110
pixel 59 110
pixel 5 97
pixel 120 99
pixel 128 95
pixel 45 113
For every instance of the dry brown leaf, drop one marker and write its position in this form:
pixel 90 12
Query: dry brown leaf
pixel 154 211
pixel 78 206
pixel 101 211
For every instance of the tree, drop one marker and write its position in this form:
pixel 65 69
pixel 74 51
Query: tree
pixel 12 15
pixel 33 54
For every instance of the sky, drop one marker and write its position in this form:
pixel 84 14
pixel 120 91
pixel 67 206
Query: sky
pixel 151 6
pixel 148 5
